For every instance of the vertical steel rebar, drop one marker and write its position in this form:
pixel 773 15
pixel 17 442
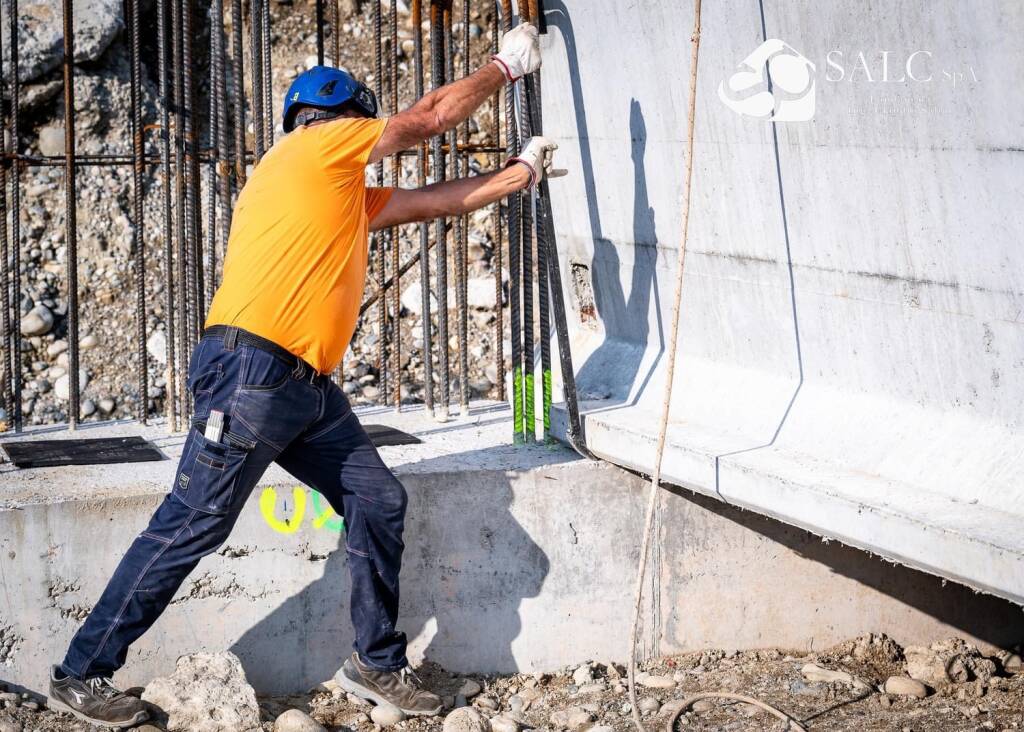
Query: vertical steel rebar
pixel 70 211
pixel 320 32
pixel 461 168
pixel 379 237
pixel 532 83
pixel 421 180
pixel 138 197
pixel 268 83
pixel 180 241
pixel 210 248
pixel 496 255
pixel 12 17
pixel 335 34
pixel 255 55
pixel 193 208
pixel 396 286
pixel 238 53
pixel 11 359
pixel 526 260
pixel 515 202
pixel 173 392
pixel 437 80
pixel 223 167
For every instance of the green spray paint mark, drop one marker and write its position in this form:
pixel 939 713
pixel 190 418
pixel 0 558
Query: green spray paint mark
pixel 530 419
pixel 546 386
pixel 326 518
pixel 517 406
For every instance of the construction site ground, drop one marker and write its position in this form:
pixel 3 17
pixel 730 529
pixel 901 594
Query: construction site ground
pixel 600 704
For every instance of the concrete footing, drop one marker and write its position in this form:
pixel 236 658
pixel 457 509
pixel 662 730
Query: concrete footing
pixel 516 559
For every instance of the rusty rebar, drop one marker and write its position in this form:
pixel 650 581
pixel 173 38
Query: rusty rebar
pixel 379 237
pixel 459 239
pixel 320 32
pixel 526 260
pixel 424 229
pixel 193 208
pixel 223 168
pixel 180 244
pixel 138 197
pixel 255 56
pixel 173 391
pixel 238 53
pixel 11 358
pixel 396 168
pixel 514 251
pixel 496 254
pixel 437 80
pixel 70 213
pixel 210 249
pixel 268 85
pixel 335 33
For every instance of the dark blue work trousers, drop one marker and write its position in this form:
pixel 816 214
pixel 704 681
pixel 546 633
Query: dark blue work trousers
pixel 273 413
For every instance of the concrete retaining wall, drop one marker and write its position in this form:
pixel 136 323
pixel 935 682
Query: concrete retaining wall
pixel 851 350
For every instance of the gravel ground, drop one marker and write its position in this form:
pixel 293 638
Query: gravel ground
pixel 593 697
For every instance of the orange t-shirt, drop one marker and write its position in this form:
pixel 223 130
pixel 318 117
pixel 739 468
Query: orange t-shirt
pixel 296 258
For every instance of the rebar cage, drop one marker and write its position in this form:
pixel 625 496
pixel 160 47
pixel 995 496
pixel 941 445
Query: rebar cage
pixel 195 161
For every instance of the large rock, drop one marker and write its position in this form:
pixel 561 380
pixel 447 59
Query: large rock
pixel 948 661
pixel 62 387
pixel 41 33
pixel 207 692
pixel 38 321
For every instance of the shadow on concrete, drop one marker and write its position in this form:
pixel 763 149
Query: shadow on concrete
pixel 461 589
pixel 992 619
pixel 611 370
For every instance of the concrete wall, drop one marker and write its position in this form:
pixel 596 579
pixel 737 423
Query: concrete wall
pixel 503 571
pixel 851 349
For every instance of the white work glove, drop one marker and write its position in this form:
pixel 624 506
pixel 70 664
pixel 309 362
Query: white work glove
pixel 537 157
pixel 520 52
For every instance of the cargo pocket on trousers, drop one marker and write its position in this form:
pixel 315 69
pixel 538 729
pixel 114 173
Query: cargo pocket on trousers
pixel 208 482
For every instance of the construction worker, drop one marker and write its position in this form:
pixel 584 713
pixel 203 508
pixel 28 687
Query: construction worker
pixel 277 327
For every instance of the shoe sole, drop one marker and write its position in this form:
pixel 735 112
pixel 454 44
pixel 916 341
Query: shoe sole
pixel 364 692
pixel 58 706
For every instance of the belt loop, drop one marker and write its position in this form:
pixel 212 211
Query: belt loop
pixel 230 338
pixel 313 373
pixel 297 371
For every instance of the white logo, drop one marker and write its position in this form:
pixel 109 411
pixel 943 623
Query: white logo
pixel 776 83
pixel 79 697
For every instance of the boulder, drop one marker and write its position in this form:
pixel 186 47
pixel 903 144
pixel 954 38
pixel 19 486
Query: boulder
pixel 41 33
pixel 948 661
pixel 207 692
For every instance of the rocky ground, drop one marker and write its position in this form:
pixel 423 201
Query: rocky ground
pixel 109 340
pixel 869 683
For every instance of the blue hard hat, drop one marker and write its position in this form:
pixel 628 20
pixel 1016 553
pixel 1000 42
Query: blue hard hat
pixel 325 88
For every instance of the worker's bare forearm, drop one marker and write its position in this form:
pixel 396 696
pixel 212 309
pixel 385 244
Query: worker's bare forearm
pixel 451 198
pixel 439 111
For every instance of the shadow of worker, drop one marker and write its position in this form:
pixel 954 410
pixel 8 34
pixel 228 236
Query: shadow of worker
pixel 467 566
pixel 611 370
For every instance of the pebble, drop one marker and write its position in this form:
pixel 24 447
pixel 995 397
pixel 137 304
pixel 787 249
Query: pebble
pixel 88 342
pixel 466 719
pixel 648 704
pixel 816 674
pixel 592 688
pixel 370 392
pixel 658 682
pixel 487 702
pixel 469 688
pixel 573 718
pixel 702 705
pixel 504 724
pixel 583 675
pixel 38 322
pixel 107 405
pixel 88 408
pixel 56 348
pixel 32 706
pixel 295 720
pixel 62 388
pixel 517 704
pixel 386 715
pixel 905 686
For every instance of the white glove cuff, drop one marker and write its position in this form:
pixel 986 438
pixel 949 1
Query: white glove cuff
pixel 505 68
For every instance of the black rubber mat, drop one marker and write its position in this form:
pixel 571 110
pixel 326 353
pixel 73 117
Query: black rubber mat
pixel 94 451
pixel 383 436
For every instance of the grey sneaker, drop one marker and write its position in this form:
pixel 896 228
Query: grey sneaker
pixel 398 688
pixel 96 701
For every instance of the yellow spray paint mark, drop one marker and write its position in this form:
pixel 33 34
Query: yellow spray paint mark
pixel 268 506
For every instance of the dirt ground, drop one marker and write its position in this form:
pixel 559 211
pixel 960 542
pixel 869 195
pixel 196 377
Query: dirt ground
pixel 594 697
